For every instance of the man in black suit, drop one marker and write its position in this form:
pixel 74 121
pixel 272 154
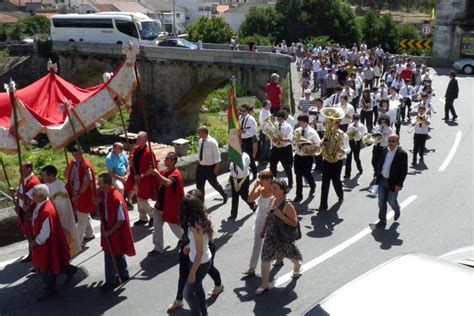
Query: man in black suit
pixel 393 169
pixel 451 94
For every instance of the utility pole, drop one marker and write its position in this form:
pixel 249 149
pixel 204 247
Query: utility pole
pixel 174 18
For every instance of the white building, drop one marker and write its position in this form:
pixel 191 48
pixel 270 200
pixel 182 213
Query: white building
pixel 235 16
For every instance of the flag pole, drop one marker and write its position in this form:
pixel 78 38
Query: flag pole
pixel 11 94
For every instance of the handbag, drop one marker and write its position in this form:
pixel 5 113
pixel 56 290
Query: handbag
pixel 287 232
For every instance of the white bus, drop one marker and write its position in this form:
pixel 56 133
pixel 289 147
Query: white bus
pixel 105 28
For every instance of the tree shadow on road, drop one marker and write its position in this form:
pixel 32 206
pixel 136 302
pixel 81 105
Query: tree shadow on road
pixel 324 222
pixel 388 238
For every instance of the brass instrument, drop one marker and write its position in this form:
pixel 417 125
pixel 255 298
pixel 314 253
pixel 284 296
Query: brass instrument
pixel 351 134
pixel 419 120
pixel 304 145
pixel 333 138
pixel 372 138
pixel 270 128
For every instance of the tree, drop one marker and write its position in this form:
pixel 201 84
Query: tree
pixel 261 21
pixel 290 12
pixel 210 30
pixel 388 33
pixel 369 30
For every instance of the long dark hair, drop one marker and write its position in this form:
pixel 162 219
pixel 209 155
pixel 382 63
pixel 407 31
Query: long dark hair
pixel 193 213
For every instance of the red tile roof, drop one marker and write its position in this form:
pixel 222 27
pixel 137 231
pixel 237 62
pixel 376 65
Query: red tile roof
pixel 6 19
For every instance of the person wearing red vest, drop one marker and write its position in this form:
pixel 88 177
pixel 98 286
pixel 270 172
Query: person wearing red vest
pixel 24 196
pixel 170 194
pixel 141 179
pixel 115 226
pixel 81 187
pixel 49 244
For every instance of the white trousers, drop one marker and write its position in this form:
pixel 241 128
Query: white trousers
pixel 84 227
pixel 158 230
pixel 256 250
pixel 144 209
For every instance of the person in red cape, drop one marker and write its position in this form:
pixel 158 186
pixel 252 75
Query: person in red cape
pixel 24 195
pixel 170 194
pixel 81 187
pixel 141 178
pixel 49 244
pixel 115 226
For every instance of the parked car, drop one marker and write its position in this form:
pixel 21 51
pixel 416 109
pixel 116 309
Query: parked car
pixel 410 284
pixel 465 65
pixel 177 42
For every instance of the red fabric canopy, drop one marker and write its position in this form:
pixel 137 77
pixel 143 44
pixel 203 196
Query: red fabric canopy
pixel 43 99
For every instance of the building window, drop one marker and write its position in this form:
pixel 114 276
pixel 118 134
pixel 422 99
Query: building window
pixel 178 15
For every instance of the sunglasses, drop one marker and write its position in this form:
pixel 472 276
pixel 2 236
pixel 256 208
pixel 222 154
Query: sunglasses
pixel 392 140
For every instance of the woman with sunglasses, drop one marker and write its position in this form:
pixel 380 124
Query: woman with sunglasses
pixel 277 245
pixel 262 191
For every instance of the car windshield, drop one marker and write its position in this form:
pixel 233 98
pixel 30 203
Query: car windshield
pixel 184 42
pixel 148 31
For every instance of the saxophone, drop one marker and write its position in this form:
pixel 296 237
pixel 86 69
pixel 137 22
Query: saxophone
pixel 332 135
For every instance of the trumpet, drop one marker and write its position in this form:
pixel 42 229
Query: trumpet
pixel 420 119
pixel 304 145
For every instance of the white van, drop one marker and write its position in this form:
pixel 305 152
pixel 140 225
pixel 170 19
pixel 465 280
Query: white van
pixel 105 28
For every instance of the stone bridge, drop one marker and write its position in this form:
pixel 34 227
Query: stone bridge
pixel 175 81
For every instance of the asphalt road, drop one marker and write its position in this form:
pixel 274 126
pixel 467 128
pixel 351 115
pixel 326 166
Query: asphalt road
pixel 337 246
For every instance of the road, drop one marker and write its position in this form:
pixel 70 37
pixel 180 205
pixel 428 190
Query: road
pixel 337 246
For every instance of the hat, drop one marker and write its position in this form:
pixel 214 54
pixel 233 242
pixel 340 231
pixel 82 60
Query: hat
pixel 307 91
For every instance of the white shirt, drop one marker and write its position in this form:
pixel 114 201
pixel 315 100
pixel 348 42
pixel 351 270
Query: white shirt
pixel 359 130
pixel 316 65
pixel 334 99
pixel 348 110
pixel 388 162
pixel 386 132
pixel 423 129
pixel 211 154
pixel 286 131
pixel 264 114
pixel 291 120
pixel 206 255
pixel 45 231
pixel 407 92
pixel 346 147
pixel 235 170
pixel 350 93
pixel 249 126
pixel 21 202
pixel 369 106
pixel 311 135
pixel 315 115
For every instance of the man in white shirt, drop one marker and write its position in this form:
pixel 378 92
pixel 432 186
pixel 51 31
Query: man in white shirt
pixel 240 183
pixel 406 94
pixel 334 99
pixel 357 129
pixel 281 150
pixel 317 120
pixel 265 143
pixel 303 159
pixel 316 67
pixel 209 160
pixel 331 171
pixel 290 119
pixel 348 111
pixel 420 124
pixel 249 135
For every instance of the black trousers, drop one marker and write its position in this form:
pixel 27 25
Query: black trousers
pixel 331 172
pixel 355 150
pixel 377 153
pixel 449 107
pixel 419 141
pixel 376 113
pixel 343 127
pixel 405 111
pixel 49 280
pixel 243 193
pixel 367 118
pixel 247 146
pixel 330 91
pixel 319 159
pixel 285 156
pixel 303 166
pixel 204 173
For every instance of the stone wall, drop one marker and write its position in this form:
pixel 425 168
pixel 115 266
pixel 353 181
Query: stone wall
pixel 23 70
pixel 9 232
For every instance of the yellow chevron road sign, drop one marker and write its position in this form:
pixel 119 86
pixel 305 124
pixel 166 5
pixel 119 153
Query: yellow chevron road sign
pixel 419 44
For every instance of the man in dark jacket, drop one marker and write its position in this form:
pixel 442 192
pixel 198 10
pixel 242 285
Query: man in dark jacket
pixel 392 169
pixel 451 94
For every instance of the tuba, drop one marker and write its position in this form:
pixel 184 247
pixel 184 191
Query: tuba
pixel 270 129
pixel 333 138
pixel 304 145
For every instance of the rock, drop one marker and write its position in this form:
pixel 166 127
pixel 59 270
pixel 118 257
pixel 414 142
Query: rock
pixel 9 232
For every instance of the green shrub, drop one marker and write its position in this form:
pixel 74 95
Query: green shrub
pixel 193 144
pixel 322 41
pixel 222 136
pixel 259 39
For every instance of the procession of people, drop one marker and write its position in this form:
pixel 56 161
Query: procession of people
pixel 360 99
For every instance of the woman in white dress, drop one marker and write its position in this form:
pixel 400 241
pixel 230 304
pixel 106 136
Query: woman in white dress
pixel 262 191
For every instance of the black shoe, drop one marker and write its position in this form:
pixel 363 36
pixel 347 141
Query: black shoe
pixel 361 171
pixel 254 207
pixel 347 176
pixel 140 222
pixel 232 217
pixel 413 162
pixel 445 118
pixel 150 222
pixel 380 225
pixel 455 117
pixel 129 205
pixel 26 259
pixel 422 161
pixel 87 239
pixel 32 270
pixel 298 198
pixel 311 191
pixel 322 209
pixel 70 273
pixel 107 287
pixel 46 296
pixel 154 253
pixel 224 198
pixel 340 200
pixel 397 216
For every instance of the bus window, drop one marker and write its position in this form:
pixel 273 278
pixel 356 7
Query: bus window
pixel 83 23
pixel 127 27
pixel 148 31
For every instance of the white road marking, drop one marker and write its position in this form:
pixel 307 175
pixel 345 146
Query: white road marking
pixel 452 152
pixel 332 252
